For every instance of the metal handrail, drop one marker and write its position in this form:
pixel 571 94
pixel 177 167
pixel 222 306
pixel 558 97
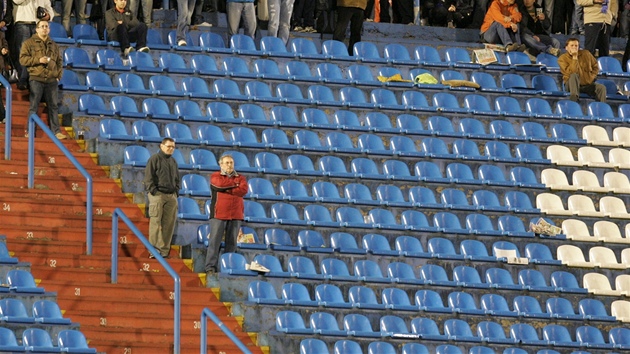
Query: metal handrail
pixel 204 332
pixel 118 213
pixel 34 119
pixel 7 117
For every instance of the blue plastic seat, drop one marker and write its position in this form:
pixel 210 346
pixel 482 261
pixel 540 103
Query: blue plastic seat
pixel 136 155
pixel 402 273
pixel 492 332
pixel 297 294
pixel 93 104
pixel 442 248
pixel 534 131
pixel 504 130
pixel 424 197
pixel 369 271
pixel 547 86
pixel 591 337
pixel 86 34
pixel 441 126
pixel 258 91
pixel 435 275
pixel 365 168
pixel 312 345
pixel 316 118
pixel 143 62
pixel 354 97
pixel 262 292
pixel 298 70
pixel 286 214
pixel 601 111
pixel 234 264
pixel 336 50
pixel 363 297
pixel 174 63
pixel 37 339
pixel 351 217
pixel 429 56
pixel 205 65
pixel 325 323
pixel 302 165
pixel 498 151
pixel 533 280
pixel 501 279
pixel 291 93
pixel 417 101
pixel 211 135
pixel 334 268
pixel 565 282
pixel 404 146
pixel 180 133
pixel 196 87
pixel 594 310
pixel 304 48
pixel 329 295
pixel 397 170
pixel 487 200
pixel 493 175
pixel 73 341
pixel 459 58
pixel 620 337
pixel 187 208
pixel 322 95
pixel 212 42
pixel 430 301
pixel 260 188
pixel 330 73
pixel 436 148
pixel 303 268
pixel 475 250
pixel 566 133
pixel 195 185
pixel 244 137
pixel 8 341
pixel 377 244
pixel 558 335
pixel 339 142
pixel 526 334
pixel 333 166
pixel 530 153
pixel 397 299
pixel 496 305
pixel 464 303
pixel 417 221
pixel 327 192
pixel 391 195
pixel 428 329
pixel 528 306
pixel 455 199
pixel 362 75
pixel 347 347
pixel 267 69
pixel 133 84
pixel 447 75
pixel 570 110
pixel 357 193
pixel 473 128
pixel 540 108
pixel 157 108
pixel 515 84
pixel 478 104
pixel 99 81
pixel 447 102
pixel 312 241
pixel 291 322
pixel 236 67
pixel 524 177
pixel 549 61
pixel 539 253
pixel 59 34
pixel 480 224
pixel 154 40
pixel 459 330
pixel 385 99
pixel 509 106
pixel 358 325
pixel 254 212
pixel 319 216
pixel 612 91
pixel 367 52
pixel 294 190
pixel 394 326
pixel 243 44
pixel 13 311
pixel 562 308
pixel 384 219
pixel 397 54
pixel 372 144
pixel 70 81
pixel 228 90
pixel 22 281
pixel 275 47
pixel 409 246
pixel 460 173
pixel 610 66
pixel 486 81
pixel 253 114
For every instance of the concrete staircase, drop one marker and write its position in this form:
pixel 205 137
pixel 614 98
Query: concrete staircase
pixel 46 227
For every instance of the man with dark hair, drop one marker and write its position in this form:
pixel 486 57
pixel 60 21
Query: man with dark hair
pixel 161 181
pixel 535 27
pixel 226 212
pixel 579 70
pixel 349 11
pixel 124 27
pixel 24 22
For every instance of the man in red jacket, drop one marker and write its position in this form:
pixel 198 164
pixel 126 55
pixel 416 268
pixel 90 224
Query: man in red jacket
pixel 228 189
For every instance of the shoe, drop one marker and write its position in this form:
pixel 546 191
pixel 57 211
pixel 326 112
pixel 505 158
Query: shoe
pixel 61 136
pixel 531 57
pixel 144 50
pixel 182 43
pixel 26 135
pixel 255 266
pixel 128 50
pixel 22 86
pixel 511 47
pixel 205 24
pixel 450 24
pixel 298 28
pixel 521 47
pixel 309 29
pixel 554 51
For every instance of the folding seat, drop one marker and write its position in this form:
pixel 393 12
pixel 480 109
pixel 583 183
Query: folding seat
pixel 228 90
pixel 534 131
pixel 441 126
pixel 566 282
pixel 302 165
pixel 37 339
pixel 625 256
pixel 357 325
pixel 556 180
pixel 339 142
pixel 540 108
pixel 473 128
pixel 577 230
pixel 59 34
pixel 529 153
pixel 562 308
pixel 593 309
pixel 414 348
pixel 459 330
pixel 620 337
pixel 515 84
pixel 143 62
pixel 335 269
pixel 496 305
pixel 480 224
pixel 234 264
pixel 336 50
pixel 195 185
pixel 526 335
pixel 362 75
pixel 180 133
pixel 174 63
pixel 528 306
pixel 394 326
pixel 258 91
pixel 619 157
pixel 428 329
pixel 604 257
pixel 521 62
pixel 513 226
pixel 157 108
pixel 487 200
pixel 599 284
pixel 416 101
pixel 499 151
pixel 424 197
pixel 601 112
pixel 447 349
pixel 325 323
pixel 501 279
pixel 551 204
pixel 330 73
pixel 136 155
pixel 391 195
pixel 13 311
pixel 367 52
pixel 621 136
pixel 294 190
pixel 622 282
pixel 244 137
pixel 212 135
pixel 533 280
pixel 503 129
pixel 435 275
pixel 455 199
pixel 442 248
pixel 547 86
pixel 311 345
pixel 262 292
pixel 73 341
pixel 558 335
pixel 372 144
pixel 613 207
pixel 475 250
pixel 365 168
pixel 446 102
pixel 620 309
pixel 254 212
pixel 237 67
pixel 189 111
pixel 357 193
pixel 187 208
pixel 196 87
pixel 351 217
pixel 146 131
pixel 566 134
pixel 509 106
pixel 327 192
pixel 591 337
pixel 592 157
pixel 202 64
pixel 458 173
pixel 353 97
pixel 429 56
pixel 491 332
pixel 463 303
pixel 291 322
pixel 493 175
pixel 99 81
pixel 409 246
pixel 319 216
pixel 322 95
pixel 70 81
pixel 404 146
pixel 260 188
pixel 447 75
pixel 364 298
pixel 347 347
pixel 487 82
pixel 417 221
pixel 612 91
pixel 402 273
pixel 587 181
pixel 381 347
pixel 397 54
pixel 397 170
pixel 582 205
pixel 113 129
pixel 284 213
pixel 330 296
pixel 8 342
pixel 303 268
pixel 77 58
pixel 447 222
pixel 525 177
pixel 539 253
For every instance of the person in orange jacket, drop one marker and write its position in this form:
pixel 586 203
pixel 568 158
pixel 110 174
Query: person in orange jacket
pixel 501 25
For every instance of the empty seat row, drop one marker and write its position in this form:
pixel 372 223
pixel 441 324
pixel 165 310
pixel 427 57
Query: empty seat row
pixel 599 284
pixel 334 269
pixel 599 256
pixel 582 205
pixel 363 297
pixel 37 340
pixel 597 135
pixel 603 230
pixel 392 326
pixel 585 180
pixel 43 311
pixel 589 156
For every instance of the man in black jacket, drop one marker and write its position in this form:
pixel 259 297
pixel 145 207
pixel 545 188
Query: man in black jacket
pixel 535 27
pixel 123 27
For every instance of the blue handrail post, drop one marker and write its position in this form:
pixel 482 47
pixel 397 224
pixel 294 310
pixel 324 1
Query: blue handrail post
pixel 177 308
pixel 34 119
pixel 204 332
pixel 7 121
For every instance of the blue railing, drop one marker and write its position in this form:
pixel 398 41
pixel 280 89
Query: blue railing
pixel 34 119
pixel 7 119
pixel 204 332
pixel 118 213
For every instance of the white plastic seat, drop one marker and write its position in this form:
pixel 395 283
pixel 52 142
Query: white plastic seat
pixel 587 181
pixel 577 230
pixel 599 284
pixel 572 256
pixel 625 256
pixel 549 203
pixel 617 182
pixel 613 207
pixel 562 156
pixel 622 284
pixel 592 157
pixel 556 180
pixel 621 310
pixel 597 135
pixel 608 231
pixel 604 257
pixel 582 205
pixel 620 158
pixel 621 136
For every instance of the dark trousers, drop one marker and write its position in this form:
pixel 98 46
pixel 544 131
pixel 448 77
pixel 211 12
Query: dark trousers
pixel 402 11
pixel 626 55
pixel 384 14
pixel 21 32
pixel 50 92
pixel 597 36
pixel 304 13
pixel 218 230
pixel 136 34
pixel 595 90
pixel 354 16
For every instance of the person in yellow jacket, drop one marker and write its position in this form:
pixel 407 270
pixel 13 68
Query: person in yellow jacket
pixel 579 70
